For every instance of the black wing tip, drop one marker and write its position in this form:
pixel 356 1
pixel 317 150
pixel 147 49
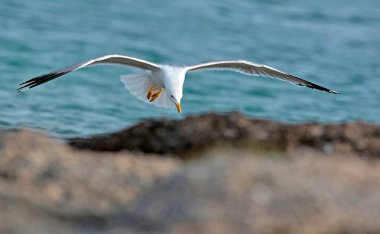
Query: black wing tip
pixel 27 81
pixel 25 85
pixel 314 86
pixel 333 92
pixel 36 81
pixel 323 89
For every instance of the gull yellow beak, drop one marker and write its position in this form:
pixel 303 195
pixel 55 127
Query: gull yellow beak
pixel 178 105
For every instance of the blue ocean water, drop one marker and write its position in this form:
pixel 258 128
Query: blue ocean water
pixel 334 43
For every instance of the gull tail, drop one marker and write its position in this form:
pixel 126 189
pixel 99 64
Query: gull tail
pixel 140 84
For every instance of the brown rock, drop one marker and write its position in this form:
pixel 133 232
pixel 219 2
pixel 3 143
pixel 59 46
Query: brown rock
pixel 45 177
pixel 242 184
pixel 262 195
pixel 200 132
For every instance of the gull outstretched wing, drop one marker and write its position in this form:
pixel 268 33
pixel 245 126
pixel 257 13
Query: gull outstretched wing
pixel 108 59
pixel 250 68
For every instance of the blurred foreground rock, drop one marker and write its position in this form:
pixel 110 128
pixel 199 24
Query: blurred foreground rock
pixel 43 182
pixel 222 195
pixel 196 133
pixel 260 177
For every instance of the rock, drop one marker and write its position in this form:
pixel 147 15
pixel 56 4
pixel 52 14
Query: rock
pixel 195 133
pixel 248 194
pixel 246 176
pixel 48 182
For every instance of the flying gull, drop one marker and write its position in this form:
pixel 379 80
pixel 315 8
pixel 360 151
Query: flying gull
pixel 162 85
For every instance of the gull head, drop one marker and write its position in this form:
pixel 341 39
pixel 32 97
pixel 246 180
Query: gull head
pixel 176 103
pixel 173 79
pixel 174 91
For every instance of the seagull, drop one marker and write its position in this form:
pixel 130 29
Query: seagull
pixel 162 84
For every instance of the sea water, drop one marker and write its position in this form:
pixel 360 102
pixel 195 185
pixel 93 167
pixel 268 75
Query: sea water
pixel 334 43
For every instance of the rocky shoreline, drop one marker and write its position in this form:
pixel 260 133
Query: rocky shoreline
pixel 239 175
pixel 198 133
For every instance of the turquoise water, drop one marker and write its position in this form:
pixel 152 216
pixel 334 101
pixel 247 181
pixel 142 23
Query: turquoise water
pixel 334 43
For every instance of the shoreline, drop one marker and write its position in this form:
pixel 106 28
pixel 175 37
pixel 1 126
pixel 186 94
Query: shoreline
pixel 201 132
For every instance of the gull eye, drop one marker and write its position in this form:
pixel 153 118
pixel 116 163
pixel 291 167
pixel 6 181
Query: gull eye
pixel 172 96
